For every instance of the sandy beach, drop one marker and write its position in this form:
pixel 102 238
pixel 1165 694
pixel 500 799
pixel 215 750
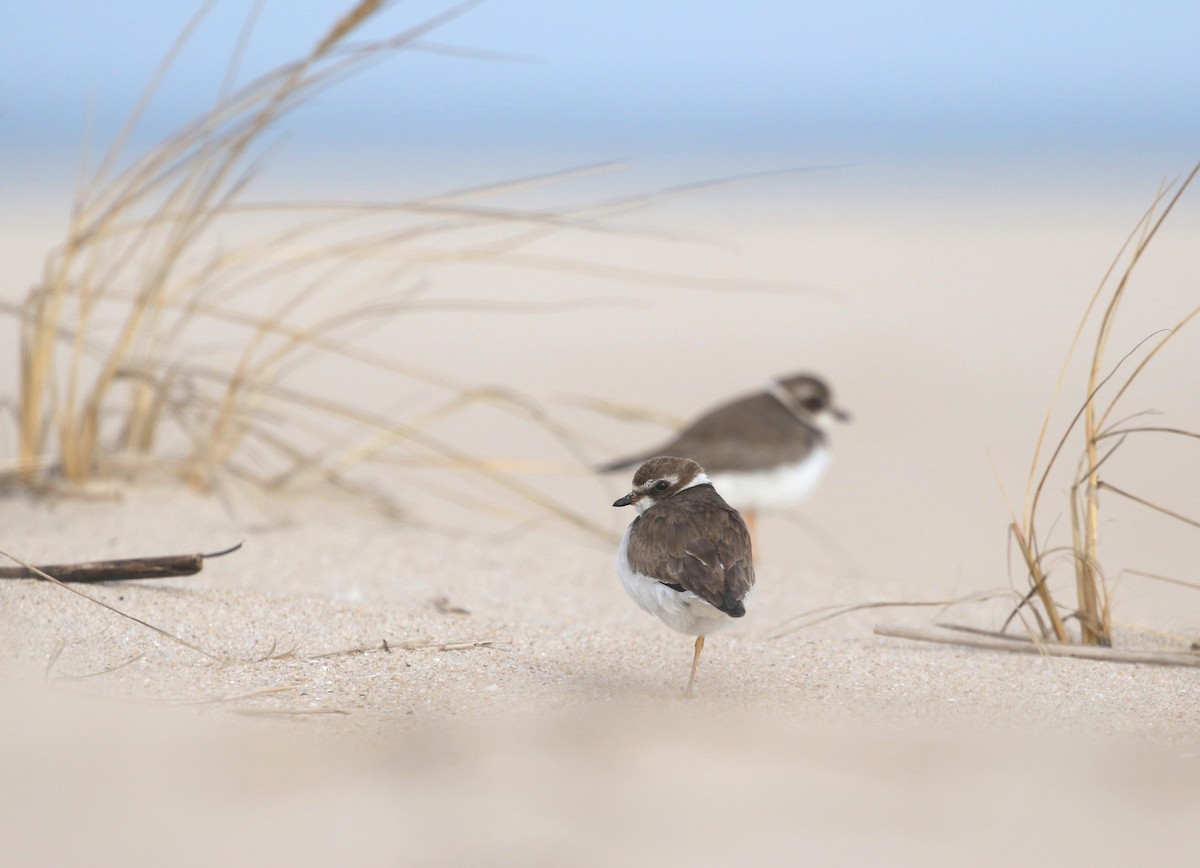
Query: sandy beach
pixel 526 713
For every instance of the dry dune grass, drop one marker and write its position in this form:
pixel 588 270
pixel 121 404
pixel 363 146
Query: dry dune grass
pixel 179 321
pixel 158 252
pixel 1102 432
pixel 1100 425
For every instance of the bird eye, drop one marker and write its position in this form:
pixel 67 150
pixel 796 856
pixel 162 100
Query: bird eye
pixel 663 485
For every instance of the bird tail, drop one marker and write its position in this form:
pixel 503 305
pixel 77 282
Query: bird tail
pixel 732 607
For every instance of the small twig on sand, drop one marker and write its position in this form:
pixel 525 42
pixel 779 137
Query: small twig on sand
pixel 412 645
pixel 134 659
pixel 119 570
pixel 977 631
pixel 286 712
pixel 1048 649
pixel 827 613
pixel 237 697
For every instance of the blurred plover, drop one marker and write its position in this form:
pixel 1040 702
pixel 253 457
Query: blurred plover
pixel 686 557
pixel 764 451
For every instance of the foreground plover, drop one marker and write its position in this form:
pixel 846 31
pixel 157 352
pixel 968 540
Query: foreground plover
pixel 686 557
pixel 764 451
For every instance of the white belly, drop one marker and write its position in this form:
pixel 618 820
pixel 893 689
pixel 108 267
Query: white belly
pixel 773 489
pixel 684 611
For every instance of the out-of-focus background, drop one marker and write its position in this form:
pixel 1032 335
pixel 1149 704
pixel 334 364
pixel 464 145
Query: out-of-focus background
pixel 922 200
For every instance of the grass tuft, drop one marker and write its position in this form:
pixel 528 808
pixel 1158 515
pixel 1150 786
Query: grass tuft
pixel 180 322
pixel 1100 438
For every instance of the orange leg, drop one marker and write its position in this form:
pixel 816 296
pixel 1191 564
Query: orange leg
pixel 751 518
pixel 695 664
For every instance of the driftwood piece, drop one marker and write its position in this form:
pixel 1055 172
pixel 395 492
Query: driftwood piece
pixel 119 570
pixel 1047 649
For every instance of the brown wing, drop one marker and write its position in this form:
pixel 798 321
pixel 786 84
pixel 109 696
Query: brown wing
pixel 723 440
pixel 700 545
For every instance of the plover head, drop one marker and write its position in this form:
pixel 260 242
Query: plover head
pixel 809 395
pixel 660 479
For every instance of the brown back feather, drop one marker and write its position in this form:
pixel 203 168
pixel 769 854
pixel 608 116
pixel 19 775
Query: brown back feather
pixel 700 544
pixel 721 441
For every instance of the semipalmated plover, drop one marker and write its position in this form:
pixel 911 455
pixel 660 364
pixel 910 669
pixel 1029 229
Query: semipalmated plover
pixel 764 451
pixel 686 557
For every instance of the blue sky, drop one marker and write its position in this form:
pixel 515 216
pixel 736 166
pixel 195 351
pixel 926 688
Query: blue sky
pixel 762 82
